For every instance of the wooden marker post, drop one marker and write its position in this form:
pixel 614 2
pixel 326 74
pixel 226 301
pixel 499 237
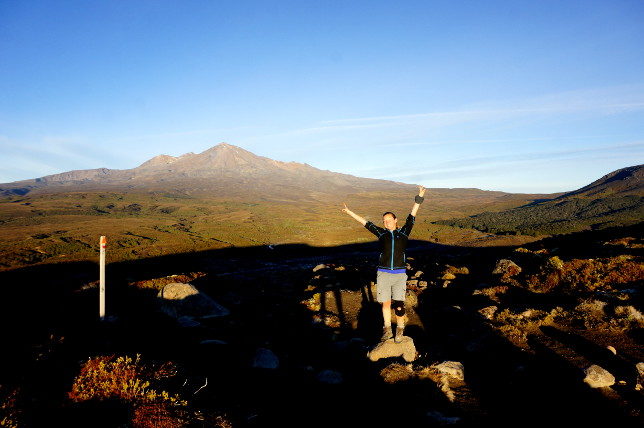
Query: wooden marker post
pixel 101 298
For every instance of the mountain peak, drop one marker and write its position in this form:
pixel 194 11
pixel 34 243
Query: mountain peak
pixel 159 160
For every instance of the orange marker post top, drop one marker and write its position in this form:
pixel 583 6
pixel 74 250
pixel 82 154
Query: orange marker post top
pixel 103 240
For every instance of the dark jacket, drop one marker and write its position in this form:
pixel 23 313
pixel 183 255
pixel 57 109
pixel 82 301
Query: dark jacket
pixel 392 243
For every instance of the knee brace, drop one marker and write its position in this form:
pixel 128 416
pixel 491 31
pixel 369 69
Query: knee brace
pixel 399 307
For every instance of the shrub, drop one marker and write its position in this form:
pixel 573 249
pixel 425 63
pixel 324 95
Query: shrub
pixel 585 274
pixel 9 413
pixel 128 379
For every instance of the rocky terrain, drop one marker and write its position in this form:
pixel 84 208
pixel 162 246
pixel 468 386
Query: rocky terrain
pixel 549 332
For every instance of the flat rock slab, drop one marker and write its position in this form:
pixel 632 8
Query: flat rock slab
pixel 389 348
pixel 180 300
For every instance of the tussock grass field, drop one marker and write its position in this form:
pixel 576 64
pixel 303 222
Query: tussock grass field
pixel 57 227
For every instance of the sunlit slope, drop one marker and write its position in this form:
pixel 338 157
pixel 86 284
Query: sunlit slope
pixel 616 199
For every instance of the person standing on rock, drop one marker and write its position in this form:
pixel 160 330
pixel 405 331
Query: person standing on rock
pixel 391 284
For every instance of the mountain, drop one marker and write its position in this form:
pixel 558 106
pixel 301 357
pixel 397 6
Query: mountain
pixel 625 181
pixel 229 171
pixel 225 170
pixel 616 199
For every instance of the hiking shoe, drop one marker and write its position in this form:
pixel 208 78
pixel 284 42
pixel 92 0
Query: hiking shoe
pixel 386 334
pixel 399 334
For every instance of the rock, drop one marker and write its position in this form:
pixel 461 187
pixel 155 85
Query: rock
pixel 265 359
pixel 506 268
pixel 330 377
pixel 412 283
pixel 453 269
pixel 555 263
pixel 640 373
pixel 319 267
pixel 630 313
pixel 184 300
pixel 597 377
pixel 441 419
pixel 411 300
pixel 389 348
pixel 418 274
pixel 422 284
pixel 448 275
pixel 593 307
pixel 452 369
pixel 340 268
pixel 488 311
pixel 612 349
pixel 446 283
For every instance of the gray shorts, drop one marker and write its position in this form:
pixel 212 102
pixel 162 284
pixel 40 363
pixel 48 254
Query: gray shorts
pixel 391 286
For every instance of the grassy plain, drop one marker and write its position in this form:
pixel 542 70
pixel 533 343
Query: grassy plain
pixel 56 227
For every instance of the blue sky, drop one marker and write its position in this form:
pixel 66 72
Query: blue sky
pixel 520 96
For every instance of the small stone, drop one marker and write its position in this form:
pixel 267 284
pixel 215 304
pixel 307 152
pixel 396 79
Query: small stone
pixel 448 275
pixel 598 377
pixel 412 283
pixel 640 373
pixel 422 284
pixel 330 377
pixel 506 268
pixel 446 283
pixel 265 359
pixel 452 369
pixel 612 349
pixel 180 300
pixel 488 311
pixel 319 267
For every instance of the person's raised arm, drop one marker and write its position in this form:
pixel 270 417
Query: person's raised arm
pixel 354 215
pixel 419 200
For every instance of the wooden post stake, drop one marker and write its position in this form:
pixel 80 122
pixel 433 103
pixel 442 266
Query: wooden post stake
pixel 101 299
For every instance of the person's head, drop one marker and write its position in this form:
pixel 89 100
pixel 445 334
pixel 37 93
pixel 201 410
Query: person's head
pixel 390 221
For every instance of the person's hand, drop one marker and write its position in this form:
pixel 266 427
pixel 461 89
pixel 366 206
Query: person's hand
pixel 345 209
pixel 421 191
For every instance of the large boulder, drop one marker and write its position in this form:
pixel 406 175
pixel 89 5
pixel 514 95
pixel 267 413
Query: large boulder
pixel 183 301
pixel 389 348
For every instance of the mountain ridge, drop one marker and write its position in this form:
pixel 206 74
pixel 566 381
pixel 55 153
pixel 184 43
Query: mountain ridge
pixel 226 170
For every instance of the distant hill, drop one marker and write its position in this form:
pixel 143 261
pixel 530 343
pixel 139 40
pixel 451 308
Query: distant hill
pixel 625 181
pixel 616 199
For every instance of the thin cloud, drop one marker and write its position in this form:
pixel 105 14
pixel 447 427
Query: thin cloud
pixel 473 166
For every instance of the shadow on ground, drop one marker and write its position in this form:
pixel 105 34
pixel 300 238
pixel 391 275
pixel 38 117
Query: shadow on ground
pixel 51 327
